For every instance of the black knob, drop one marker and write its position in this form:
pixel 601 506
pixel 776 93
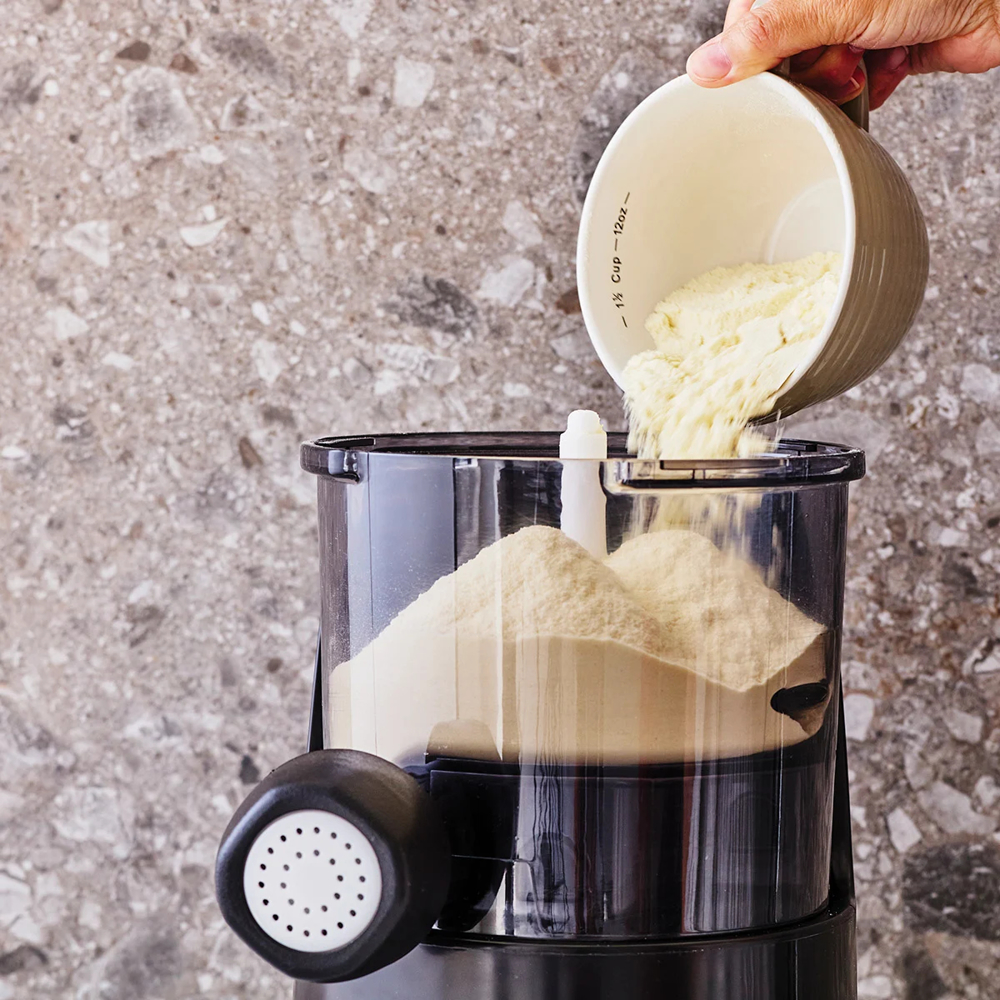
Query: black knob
pixel 336 865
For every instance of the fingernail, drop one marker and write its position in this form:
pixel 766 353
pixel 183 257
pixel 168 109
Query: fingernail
pixel 849 90
pixel 896 58
pixel 856 49
pixel 710 62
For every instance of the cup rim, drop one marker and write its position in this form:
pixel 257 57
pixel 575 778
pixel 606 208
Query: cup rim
pixel 811 107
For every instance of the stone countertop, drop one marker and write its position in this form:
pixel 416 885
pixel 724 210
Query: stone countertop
pixel 226 227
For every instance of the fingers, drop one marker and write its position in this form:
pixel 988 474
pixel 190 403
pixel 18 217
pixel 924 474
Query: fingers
pixel 837 74
pixel 887 69
pixel 975 52
pixel 759 39
pixel 805 60
pixel 830 72
pixel 737 8
pixel 851 89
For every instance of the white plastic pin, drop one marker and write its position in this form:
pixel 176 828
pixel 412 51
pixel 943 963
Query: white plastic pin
pixel 582 448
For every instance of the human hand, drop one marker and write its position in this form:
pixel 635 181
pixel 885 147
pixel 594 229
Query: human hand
pixel 825 40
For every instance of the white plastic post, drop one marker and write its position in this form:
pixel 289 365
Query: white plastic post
pixel 583 447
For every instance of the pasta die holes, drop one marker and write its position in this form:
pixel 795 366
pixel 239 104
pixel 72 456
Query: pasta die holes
pixel 308 896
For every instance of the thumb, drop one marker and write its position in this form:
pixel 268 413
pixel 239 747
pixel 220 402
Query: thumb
pixel 769 33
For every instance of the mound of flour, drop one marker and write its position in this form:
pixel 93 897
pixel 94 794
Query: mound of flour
pixel 537 581
pixel 725 623
pixel 536 650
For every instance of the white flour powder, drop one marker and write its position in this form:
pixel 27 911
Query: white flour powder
pixel 725 623
pixel 536 650
pixel 726 343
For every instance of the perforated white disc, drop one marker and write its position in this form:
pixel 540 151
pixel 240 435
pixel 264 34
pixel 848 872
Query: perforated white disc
pixel 312 881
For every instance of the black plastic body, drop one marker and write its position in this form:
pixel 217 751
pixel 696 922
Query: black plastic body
pixel 612 913
pixel 399 820
pixel 814 959
pixel 608 861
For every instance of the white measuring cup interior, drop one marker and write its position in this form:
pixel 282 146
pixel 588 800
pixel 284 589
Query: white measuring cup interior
pixel 698 179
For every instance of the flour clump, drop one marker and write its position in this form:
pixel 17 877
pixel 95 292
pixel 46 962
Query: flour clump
pixel 725 345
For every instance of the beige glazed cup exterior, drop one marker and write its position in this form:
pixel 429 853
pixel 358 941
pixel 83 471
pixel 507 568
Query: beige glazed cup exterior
pixel 763 170
pixel 888 272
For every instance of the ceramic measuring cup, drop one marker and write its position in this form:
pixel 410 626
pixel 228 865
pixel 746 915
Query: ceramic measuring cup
pixel 760 171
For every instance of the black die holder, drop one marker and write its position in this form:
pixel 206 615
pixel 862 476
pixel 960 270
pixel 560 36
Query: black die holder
pixel 401 956
pixel 392 811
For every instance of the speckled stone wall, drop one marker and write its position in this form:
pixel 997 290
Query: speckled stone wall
pixel 227 226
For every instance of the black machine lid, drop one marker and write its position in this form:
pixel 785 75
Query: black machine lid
pixel 794 463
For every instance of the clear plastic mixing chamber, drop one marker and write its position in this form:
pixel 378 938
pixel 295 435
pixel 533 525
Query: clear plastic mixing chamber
pixel 630 731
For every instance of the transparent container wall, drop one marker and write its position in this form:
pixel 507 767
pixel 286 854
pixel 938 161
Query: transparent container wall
pixel 632 746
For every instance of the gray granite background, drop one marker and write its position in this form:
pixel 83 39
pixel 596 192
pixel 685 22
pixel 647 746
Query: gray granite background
pixel 225 227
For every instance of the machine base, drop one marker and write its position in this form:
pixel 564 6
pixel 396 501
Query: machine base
pixel 813 960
